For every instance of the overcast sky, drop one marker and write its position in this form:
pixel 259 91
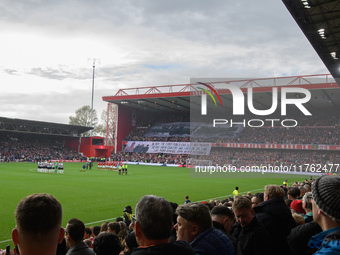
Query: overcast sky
pixel 47 48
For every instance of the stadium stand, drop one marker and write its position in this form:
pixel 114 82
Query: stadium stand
pixel 34 148
pixel 322 130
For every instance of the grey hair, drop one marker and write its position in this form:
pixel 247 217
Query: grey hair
pixel 307 199
pixel 154 215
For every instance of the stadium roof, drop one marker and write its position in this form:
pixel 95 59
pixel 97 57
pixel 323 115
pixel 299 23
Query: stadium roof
pixel 38 127
pixel 178 98
pixel 320 22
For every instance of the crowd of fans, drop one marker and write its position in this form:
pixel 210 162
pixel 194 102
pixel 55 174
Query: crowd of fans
pixel 23 148
pixel 138 133
pixel 262 135
pixel 280 135
pixel 298 219
pixel 240 158
pixel 248 157
pixel 159 158
pixel 323 128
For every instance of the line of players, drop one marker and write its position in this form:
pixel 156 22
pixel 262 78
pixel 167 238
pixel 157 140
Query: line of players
pixel 51 165
pixel 122 168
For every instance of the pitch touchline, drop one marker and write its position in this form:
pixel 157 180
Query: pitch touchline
pixel 99 221
pixel 232 194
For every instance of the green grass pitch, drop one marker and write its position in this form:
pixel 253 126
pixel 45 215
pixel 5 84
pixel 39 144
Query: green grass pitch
pixel 97 195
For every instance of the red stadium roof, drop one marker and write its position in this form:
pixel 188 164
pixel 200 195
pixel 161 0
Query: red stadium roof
pixel 325 93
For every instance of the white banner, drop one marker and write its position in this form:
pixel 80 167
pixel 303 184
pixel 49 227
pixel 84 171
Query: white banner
pixel 168 147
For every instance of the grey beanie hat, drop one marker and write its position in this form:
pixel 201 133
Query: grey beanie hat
pixel 326 194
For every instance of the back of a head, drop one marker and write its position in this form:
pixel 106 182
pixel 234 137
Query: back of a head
pixel 38 214
pixel 174 206
pixel 118 219
pixel 76 229
pixel 274 191
pixel 154 216
pixel 307 200
pixel 288 202
pixel 307 187
pixel 326 195
pixel 128 209
pixel 221 210
pixel 302 189
pixel 107 243
pixel 103 227
pixel 88 231
pixel 96 230
pixel 242 203
pixel 196 213
pixel 131 241
pixel 294 192
pixel 123 232
pixel 114 226
pixel 259 197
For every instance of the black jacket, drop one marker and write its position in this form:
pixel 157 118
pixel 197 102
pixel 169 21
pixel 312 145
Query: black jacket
pixel 80 249
pixel 299 238
pixel 253 239
pixel 175 248
pixel 277 219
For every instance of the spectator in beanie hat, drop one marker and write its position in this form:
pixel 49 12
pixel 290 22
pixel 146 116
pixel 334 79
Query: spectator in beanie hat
pixel 326 212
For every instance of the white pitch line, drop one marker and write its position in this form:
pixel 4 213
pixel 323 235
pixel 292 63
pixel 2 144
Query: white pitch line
pixel 6 241
pixel 99 221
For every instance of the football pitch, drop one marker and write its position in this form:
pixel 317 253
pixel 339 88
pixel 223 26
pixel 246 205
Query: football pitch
pixel 95 196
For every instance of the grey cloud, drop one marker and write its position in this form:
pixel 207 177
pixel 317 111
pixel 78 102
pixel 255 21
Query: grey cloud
pixel 212 22
pixel 11 71
pixel 59 73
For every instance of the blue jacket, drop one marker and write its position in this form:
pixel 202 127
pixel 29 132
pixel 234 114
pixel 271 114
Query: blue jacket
pixel 327 241
pixel 212 242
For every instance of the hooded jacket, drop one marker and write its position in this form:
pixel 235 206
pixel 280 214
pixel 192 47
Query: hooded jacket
pixel 327 241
